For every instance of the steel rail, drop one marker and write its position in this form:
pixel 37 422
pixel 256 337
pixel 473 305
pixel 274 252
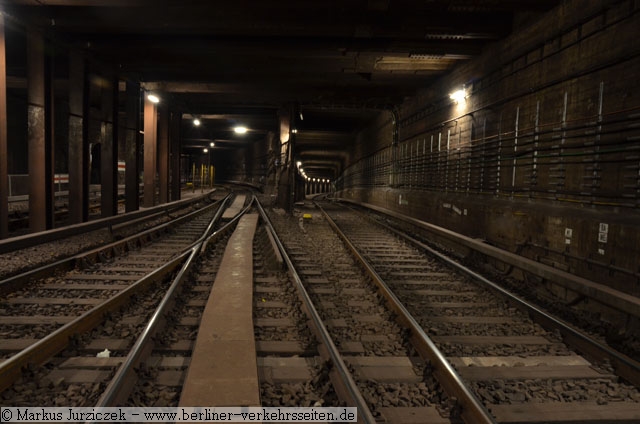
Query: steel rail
pixel 346 384
pixel 56 341
pixel 473 411
pixel 119 389
pixel 626 367
pixel 14 282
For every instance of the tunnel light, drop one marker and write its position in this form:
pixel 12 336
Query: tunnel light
pixel 458 96
pixel 212 144
pixel 240 130
pixel 196 122
pixel 153 98
pixel 205 150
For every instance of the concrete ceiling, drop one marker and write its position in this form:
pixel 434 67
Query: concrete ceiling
pixel 227 62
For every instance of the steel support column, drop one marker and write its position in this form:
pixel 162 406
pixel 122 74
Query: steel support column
pixel 174 141
pixel 132 148
pixel 150 145
pixel 286 191
pixel 4 151
pixel 163 153
pixel 109 149
pixel 38 137
pixel 78 139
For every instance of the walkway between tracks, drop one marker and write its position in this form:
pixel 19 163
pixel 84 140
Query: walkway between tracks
pixel 235 208
pixel 223 368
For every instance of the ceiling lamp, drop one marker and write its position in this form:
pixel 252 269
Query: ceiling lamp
pixel 240 130
pixel 153 98
pixel 459 96
pixel 196 122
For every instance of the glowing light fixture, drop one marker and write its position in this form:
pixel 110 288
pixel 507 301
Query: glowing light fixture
pixel 298 164
pixel 240 130
pixel 153 98
pixel 196 122
pixel 205 150
pixel 212 144
pixel 458 96
pixel 294 131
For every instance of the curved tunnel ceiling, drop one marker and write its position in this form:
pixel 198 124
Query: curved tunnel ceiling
pixel 226 62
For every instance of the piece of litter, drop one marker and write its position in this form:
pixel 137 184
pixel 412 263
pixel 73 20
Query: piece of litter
pixel 104 354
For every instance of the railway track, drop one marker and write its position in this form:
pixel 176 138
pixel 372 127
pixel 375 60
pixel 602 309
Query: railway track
pixel 325 332
pixel 21 254
pixel 89 302
pixel 521 371
pixel 290 367
pixel 381 358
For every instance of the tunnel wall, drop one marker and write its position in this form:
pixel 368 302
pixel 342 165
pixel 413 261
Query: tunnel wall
pixel 543 156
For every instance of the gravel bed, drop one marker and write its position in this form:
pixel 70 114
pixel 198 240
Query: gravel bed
pixel 319 390
pixel 12 263
pixel 603 391
pixel 27 331
pixel 35 388
pixel 315 393
pixel 617 335
pixel 456 350
pixel 330 256
pixel 319 237
pixel 42 291
pixel 472 329
pixel 49 310
pixel 424 306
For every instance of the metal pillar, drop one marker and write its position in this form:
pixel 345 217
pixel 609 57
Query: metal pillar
pixel 284 177
pixel 150 145
pixel 109 149
pixel 4 163
pixel 38 138
pixel 78 139
pixel 174 142
pixel 132 148
pixel 163 153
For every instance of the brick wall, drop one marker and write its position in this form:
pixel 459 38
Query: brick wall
pixel 544 154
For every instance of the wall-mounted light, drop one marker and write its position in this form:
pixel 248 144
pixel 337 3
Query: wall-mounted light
pixel 212 144
pixel 153 98
pixel 196 122
pixel 205 150
pixel 459 96
pixel 298 164
pixel 240 130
